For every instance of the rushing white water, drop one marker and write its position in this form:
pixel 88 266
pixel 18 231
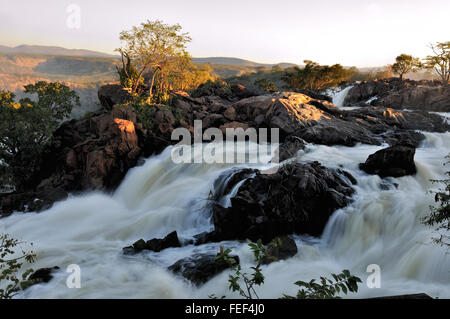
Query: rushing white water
pixel 339 97
pixel 380 227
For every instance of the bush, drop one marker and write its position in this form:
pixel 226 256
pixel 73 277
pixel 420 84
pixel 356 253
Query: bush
pixel 326 289
pixel 10 266
pixel 440 215
pixel 316 77
pixel 266 85
pixel 218 88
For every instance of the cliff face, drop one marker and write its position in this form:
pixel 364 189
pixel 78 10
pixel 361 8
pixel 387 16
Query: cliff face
pixel 407 94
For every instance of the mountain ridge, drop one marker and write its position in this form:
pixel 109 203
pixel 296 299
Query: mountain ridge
pixel 61 51
pixel 53 50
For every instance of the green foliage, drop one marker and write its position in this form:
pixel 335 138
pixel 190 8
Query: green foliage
pixel 128 74
pixel 158 49
pixel 256 278
pixel 145 111
pixel 10 266
pixel 405 63
pixel 26 126
pixel 188 76
pixel 440 61
pixel 266 85
pixel 217 87
pixel 316 77
pixel 440 215
pixel 327 288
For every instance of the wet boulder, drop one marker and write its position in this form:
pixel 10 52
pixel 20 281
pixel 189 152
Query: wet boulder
pixel 298 198
pixel 288 149
pixel 155 244
pixel 280 248
pixel 42 275
pixel 394 161
pixel 200 268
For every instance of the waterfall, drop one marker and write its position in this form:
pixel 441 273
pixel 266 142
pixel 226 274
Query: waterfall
pixel 339 97
pixel 380 227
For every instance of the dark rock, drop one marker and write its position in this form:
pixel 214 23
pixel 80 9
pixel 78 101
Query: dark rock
pixel 200 268
pixel 397 94
pixel 241 92
pixel 289 148
pixel 155 244
pixel 280 248
pixel 113 94
pixel 395 161
pixel 299 198
pixel 316 95
pixel 230 114
pixel 42 275
pixel 411 296
pixel 225 183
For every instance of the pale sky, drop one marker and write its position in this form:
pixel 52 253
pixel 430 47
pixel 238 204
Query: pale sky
pixel 350 32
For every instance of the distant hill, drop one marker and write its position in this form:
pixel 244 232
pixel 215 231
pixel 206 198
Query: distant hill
pixel 52 50
pixel 237 62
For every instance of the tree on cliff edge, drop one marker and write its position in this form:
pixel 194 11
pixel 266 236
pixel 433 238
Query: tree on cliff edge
pixel 158 49
pixel 404 64
pixel 440 61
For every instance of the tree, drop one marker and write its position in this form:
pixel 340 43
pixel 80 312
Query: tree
pixel 187 76
pixel 128 74
pixel 440 61
pixel 405 63
pixel 26 126
pixel 440 215
pixel 316 77
pixel 156 48
pixel 10 265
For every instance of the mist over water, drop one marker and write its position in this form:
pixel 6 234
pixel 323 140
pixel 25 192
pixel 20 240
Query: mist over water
pixel 382 226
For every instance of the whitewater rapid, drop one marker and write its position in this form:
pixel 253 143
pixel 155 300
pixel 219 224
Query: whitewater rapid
pixel 382 226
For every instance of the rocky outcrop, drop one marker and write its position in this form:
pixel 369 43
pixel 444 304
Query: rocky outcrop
pixel 155 244
pixel 200 268
pixel 113 94
pixel 394 161
pixel 96 152
pixel 93 153
pixel 397 94
pixel 280 248
pixel 288 149
pixel 299 198
pixel 425 98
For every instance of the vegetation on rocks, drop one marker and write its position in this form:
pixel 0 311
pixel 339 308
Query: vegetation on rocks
pixel 316 77
pixel 439 216
pixel 11 262
pixel 440 61
pixel 404 64
pixel 245 284
pixel 26 126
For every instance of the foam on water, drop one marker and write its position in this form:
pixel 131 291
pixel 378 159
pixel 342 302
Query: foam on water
pixel 380 227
